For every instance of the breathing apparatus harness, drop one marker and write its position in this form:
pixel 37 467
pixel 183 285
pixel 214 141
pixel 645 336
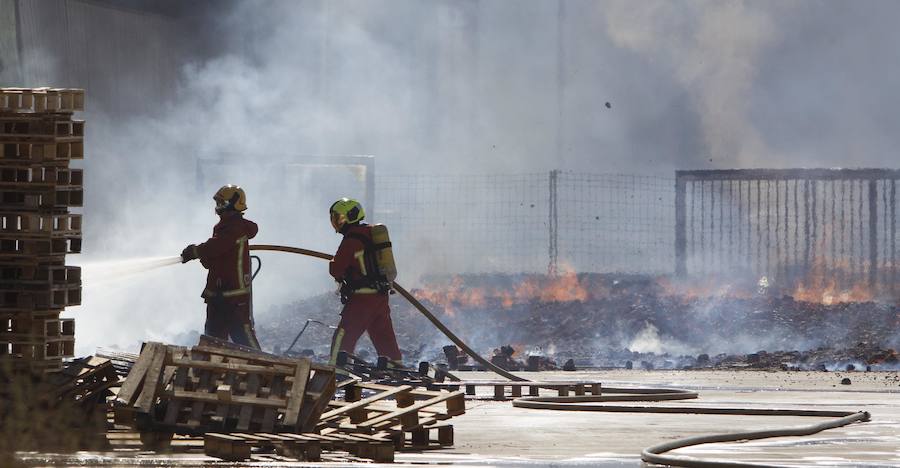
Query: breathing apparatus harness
pixel 373 279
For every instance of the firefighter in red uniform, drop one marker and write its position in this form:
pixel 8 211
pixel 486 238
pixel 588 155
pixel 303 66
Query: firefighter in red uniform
pixel 228 294
pixel 365 301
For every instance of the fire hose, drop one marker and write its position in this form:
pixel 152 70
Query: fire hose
pixel 657 453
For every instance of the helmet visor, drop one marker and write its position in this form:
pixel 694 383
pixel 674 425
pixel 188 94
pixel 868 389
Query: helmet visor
pixel 337 220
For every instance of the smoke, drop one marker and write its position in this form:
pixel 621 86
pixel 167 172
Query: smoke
pixel 713 50
pixel 433 87
pixel 648 341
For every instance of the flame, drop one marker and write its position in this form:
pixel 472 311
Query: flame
pixel 821 286
pixel 827 291
pixel 565 287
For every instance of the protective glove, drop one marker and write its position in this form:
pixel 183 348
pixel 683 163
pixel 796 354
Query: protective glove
pixel 189 253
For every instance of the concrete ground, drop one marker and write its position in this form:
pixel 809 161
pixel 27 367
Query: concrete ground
pixel 498 431
pixel 493 433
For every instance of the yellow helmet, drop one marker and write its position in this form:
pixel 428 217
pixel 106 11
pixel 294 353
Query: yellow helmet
pixel 345 211
pixel 230 197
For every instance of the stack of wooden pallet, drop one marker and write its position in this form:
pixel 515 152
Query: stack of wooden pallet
pixel 38 140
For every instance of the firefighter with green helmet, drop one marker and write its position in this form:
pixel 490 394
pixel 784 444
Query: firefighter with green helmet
pixel 364 266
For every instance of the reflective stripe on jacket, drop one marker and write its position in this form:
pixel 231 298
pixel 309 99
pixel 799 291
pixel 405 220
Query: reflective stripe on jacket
pixel 348 262
pixel 227 257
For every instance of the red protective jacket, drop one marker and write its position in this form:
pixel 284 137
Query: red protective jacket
pixel 227 257
pixel 348 262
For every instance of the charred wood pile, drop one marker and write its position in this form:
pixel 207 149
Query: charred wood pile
pixel 622 321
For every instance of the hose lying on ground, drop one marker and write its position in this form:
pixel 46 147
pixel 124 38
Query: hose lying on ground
pixel 655 453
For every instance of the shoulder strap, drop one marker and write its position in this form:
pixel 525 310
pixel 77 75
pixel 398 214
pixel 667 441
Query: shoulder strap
pixel 367 242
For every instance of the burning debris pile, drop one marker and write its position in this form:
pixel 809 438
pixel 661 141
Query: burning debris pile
pixel 619 321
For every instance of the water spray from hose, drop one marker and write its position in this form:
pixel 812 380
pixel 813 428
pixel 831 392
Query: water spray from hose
pixel 99 273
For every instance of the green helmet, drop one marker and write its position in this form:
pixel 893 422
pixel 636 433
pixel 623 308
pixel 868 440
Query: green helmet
pixel 345 211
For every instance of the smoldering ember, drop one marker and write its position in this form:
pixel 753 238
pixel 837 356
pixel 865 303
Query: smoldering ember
pixel 627 321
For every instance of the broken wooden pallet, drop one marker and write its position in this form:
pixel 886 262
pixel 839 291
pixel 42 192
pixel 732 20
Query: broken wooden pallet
pixel 202 389
pixel 86 381
pixel 402 413
pixel 308 447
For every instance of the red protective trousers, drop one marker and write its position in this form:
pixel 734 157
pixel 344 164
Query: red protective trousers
pixel 366 313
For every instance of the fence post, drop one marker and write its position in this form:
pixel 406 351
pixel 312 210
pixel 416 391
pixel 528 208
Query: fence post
pixel 680 225
pixel 873 232
pixel 370 186
pixel 553 224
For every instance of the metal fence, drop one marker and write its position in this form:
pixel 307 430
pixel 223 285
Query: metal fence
pixel 529 223
pixel 837 224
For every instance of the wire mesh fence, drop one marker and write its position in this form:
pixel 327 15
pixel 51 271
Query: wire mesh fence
pixel 833 227
pixel 530 223
pixel 825 229
pixel 616 223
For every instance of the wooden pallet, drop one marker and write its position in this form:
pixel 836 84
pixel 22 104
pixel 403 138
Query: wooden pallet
pixel 50 199
pixel 47 356
pixel 203 389
pixel 29 153
pixel 505 390
pixel 35 327
pixel 17 363
pixel 31 249
pixel 15 226
pixel 53 297
pixel 41 100
pixel 393 411
pixel 39 126
pixel 39 178
pixel 308 447
pixel 36 276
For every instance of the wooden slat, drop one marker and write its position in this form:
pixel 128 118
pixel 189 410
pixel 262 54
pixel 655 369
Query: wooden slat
pixel 174 408
pixel 235 400
pixel 202 384
pixel 152 380
pixel 223 408
pixel 322 383
pixel 364 402
pixel 270 414
pixel 298 393
pixel 131 388
pixel 253 385
pixel 232 367
pixel 415 407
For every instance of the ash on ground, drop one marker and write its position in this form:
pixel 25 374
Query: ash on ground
pixel 612 321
